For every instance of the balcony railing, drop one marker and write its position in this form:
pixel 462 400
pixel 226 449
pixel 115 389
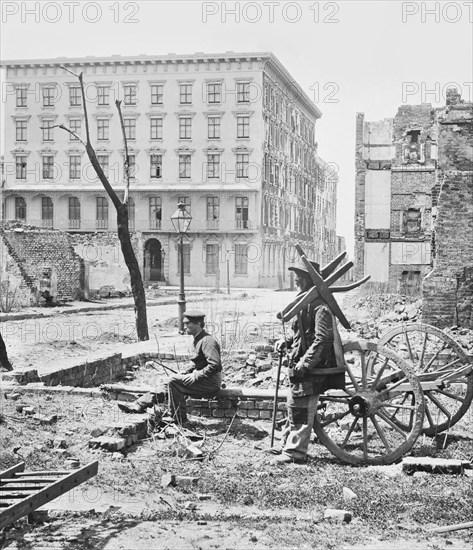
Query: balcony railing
pixel 47 222
pixel 212 224
pixel 242 224
pixel 154 224
pixel 101 224
pixel 74 224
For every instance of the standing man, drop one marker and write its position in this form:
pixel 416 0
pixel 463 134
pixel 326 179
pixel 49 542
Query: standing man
pixel 203 379
pixel 311 347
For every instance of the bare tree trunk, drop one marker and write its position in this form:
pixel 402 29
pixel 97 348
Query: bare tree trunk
pixel 4 362
pixel 136 280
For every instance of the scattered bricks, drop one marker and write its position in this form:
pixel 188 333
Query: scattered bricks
pixel 98 431
pixel 72 463
pixel 262 366
pixel 265 415
pixel 267 405
pixel 282 406
pixel 167 480
pixel 46 419
pixel 338 515
pixel 413 464
pixel 229 413
pixel 60 443
pixel 204 497
pixel 348 494
pixel 217 413
pixel 12 396
pixel 253 414
pixel 194 452
pixel 29 411
pixel 195 412
pixel 242 414
pixel 190 505
pixel 247 404
pixel 227 404
pixel 19 408
pixel 107 443
pixel 186 481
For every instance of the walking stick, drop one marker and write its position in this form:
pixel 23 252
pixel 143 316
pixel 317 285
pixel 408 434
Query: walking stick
pixel 275 404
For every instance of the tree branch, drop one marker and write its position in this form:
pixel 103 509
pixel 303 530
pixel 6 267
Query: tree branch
pixel 127 158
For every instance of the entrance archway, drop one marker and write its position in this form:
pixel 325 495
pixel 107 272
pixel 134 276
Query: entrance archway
pixel 153 261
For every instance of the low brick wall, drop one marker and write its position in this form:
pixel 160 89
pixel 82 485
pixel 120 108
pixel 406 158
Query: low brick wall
pixel 242 402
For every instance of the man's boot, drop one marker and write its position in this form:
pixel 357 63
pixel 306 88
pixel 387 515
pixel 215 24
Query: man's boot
pixel 140 405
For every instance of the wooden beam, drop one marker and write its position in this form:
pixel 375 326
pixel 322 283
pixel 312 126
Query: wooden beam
pixel 46 494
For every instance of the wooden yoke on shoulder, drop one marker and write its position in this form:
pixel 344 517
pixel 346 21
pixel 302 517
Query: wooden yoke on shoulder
pixel 320 290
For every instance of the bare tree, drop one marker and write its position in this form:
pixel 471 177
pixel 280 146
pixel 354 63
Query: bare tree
pixel 121 207
pixel 4 362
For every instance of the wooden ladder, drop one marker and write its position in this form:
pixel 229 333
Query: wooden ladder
pixel 23 492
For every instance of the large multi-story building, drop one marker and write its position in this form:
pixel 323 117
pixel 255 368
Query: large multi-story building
pixel 230 135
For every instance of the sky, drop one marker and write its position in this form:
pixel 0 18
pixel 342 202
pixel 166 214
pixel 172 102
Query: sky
pixel 348 56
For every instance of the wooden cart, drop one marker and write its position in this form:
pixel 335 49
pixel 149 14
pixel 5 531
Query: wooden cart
pixel 415 380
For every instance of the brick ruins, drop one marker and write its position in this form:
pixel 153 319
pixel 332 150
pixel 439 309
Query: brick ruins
pixel 414 206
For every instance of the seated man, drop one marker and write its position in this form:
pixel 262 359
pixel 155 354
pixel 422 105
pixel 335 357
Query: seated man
pixel 202 379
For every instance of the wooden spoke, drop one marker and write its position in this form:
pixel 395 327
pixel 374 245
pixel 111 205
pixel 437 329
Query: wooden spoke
pixel 392 424
pixel 407 407
pixel 428 414
pixel 350 430
pixel 424 345
pixel 393 387
pixel 335 418
pixel 352 378
pixel 408 344
pixel 439 405
pixel 451 395
pixel 380 432
pixel 363 371
pixel 435 356
pixel 365 438
pixel 380 372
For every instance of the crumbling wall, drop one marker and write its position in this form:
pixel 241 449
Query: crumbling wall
pixel 448 289
pixel 38 251
pixel 15 288
pixel 103 260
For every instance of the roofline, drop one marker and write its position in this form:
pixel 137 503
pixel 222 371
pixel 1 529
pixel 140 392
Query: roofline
pixel 267 57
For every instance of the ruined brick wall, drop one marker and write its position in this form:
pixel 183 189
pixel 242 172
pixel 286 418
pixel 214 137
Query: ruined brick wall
pixel 15 288
pixel 103 259
pixel 448 289
pixel 360 169
pixel 37 250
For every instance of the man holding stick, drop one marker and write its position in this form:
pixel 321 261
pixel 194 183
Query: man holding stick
pixel 203 379
pixel 310 348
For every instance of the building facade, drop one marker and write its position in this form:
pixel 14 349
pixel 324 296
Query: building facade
pixel 232 136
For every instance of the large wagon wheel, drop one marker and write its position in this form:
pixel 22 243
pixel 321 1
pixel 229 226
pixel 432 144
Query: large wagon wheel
pixel 354 424
pixel 444 369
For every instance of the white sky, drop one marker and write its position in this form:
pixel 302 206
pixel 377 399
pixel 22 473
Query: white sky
pixel 361 55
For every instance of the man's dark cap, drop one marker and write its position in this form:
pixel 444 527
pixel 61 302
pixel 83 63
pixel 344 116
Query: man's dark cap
pixel 301 267
pixel 194 315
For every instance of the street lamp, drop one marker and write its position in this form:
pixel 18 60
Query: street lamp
pixel 181 220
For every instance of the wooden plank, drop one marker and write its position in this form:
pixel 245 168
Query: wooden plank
pixel 31 503
pixel 329 268
pixel 13 470
pixel 324 291
pixel 43 473
pixel 44 480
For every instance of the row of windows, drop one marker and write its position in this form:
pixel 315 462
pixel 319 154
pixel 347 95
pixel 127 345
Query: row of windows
pixel 212 259
pixel 213 94
pixel 154 210
pixel 155 128
pixel 155 166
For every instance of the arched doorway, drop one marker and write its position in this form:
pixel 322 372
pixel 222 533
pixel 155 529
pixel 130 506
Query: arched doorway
pixel 153 261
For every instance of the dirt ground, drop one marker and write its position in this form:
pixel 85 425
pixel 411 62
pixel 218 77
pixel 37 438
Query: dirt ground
pixel 241 500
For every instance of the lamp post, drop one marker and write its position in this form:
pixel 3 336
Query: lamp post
pixel 181 220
